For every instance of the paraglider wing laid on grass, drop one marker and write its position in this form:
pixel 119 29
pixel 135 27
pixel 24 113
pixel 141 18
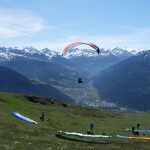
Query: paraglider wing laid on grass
pixel 84 137
pixel 19 116
pixel 72 45
pixel 140 130
pixel 134 137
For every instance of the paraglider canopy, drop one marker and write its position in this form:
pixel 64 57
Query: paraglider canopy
pixel 70 46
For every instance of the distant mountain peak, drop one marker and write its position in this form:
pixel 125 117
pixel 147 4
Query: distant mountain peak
pixel 119 51
pixel 132 50
pixel 49 52
pixel 145 54
pixel 26 52
pixel 30 50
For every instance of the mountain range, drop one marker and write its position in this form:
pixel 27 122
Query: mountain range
pixel 50 68
pixel 11 81
pixel 127 83
pixel 85 61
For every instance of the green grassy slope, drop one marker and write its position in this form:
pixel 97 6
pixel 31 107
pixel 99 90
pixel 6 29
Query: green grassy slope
pixel 16 134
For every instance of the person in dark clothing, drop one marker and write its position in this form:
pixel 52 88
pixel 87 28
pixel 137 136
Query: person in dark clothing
pixel 80 80
pixel 90 131
pixel 138 126
pixel 42 117
pixel 98 50
pixel 134 132
pixel 91 127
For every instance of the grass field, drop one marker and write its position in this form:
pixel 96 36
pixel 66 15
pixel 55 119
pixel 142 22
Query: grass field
pixel 18 135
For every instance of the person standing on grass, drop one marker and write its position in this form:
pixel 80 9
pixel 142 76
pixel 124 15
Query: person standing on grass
pixel 90 131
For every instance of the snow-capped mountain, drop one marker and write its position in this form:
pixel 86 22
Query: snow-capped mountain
pixel 28 52
pixel 50 67
pixel 88 61
pixel 50 53
pixel 145 54
pixel 118 52
pixel 47 54
pixel 134 51
pixel 75 52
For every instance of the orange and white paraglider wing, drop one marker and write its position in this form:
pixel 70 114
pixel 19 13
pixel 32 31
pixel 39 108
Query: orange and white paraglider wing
pixel 70 46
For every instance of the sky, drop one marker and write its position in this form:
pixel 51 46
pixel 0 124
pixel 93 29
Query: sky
pixel 55 23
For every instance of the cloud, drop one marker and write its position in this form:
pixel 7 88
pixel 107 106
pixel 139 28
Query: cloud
pixel 135 37
pixel 20 23
pixel 139 39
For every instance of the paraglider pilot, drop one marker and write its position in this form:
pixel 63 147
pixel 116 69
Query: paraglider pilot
pixel 134 132
pixel 42 117
pixel 97 50
pixel 138 126
pixel 90 131
pixel 80 80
